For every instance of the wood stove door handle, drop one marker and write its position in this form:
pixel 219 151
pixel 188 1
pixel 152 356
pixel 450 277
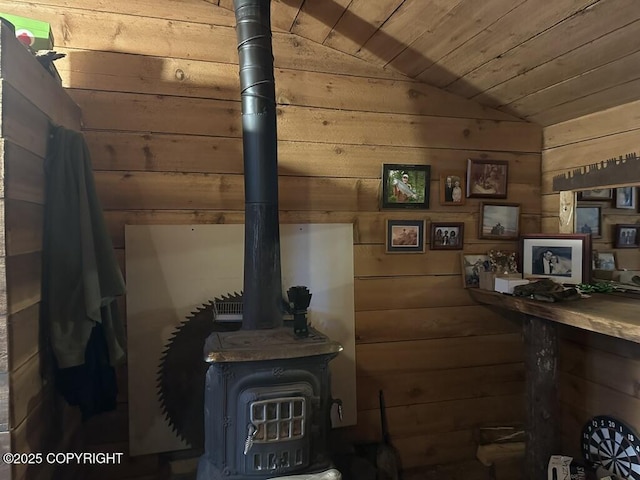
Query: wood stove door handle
pixel 248 443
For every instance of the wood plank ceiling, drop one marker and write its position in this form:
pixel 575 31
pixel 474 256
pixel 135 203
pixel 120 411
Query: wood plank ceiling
pixel 542 60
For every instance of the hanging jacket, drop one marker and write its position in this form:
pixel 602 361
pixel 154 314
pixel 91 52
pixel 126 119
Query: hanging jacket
pixel 81 278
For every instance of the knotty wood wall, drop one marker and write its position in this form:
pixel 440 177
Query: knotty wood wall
pixel 599 374
pixel 32 418
pixel 157 85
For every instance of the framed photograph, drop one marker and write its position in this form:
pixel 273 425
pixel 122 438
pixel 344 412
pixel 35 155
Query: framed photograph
pixel 626 198
pixel 596 194
pixel 500 221
pixel 626 235
pixel 487 178
pixel 471 266
pixel 405 186
pixel 405 236
pixel 589 220
pixel 447 236
pixel 606 261
pixel 452 189
pixel 565 258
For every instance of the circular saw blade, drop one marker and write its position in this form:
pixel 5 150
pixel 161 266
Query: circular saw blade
pixel 182 371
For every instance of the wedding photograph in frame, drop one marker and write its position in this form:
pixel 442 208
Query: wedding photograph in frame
pixel 564 258
pixel 499 221
pixel 589 220
pixel 452 188
pixel 405 236
pixel 447 235
pixel 626 235
pixel 405 186
pixel 487 178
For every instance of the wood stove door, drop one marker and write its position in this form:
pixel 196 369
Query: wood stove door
pixel 274 426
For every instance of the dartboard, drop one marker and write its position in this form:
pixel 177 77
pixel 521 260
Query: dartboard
pixel 612 444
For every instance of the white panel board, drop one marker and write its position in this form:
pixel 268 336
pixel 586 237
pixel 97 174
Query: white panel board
pixel 172 269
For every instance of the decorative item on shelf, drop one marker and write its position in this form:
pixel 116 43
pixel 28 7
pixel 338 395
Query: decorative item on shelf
pixel 503 262
pixel 487 178
pixel 299 299
pixel 452 188
pixel 565 258
pixel 34 34
pixel 561 467
pixel 447 235
pixel 405 236
pixel 499 221
pixel 613 445
pixel 405 186
pixel 472 265
pixel 505 268
pixel 616 170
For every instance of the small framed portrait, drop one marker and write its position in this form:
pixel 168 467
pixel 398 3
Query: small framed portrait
pixel 452 188
pixel 499 221
pixel 471 266
pixel 565 258
pixel 626 198
pixel 405 186
pixel 487 178
pixel 405 236
pixel 606 261
pixel 589 220
pixel 447 236
pixel 626 235
pixel 596 194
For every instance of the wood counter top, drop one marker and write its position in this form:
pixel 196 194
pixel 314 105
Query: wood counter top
pixel 611 315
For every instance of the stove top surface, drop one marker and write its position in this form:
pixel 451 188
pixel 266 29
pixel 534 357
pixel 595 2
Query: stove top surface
pixel 270 344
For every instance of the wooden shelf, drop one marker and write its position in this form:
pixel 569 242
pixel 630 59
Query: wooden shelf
pixel 611 315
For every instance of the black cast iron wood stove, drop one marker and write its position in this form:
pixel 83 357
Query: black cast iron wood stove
pixel 268 390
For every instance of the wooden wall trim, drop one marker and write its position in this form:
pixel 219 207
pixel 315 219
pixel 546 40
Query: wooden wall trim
pixel 35 83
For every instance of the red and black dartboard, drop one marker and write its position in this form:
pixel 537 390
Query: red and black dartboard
pixel 610 443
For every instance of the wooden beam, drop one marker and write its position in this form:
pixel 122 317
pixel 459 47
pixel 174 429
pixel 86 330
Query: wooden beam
pixel 542 411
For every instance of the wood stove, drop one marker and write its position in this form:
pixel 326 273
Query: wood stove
pixel 267 404
pixel 268 388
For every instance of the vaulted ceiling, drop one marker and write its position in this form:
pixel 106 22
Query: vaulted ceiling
pixel 542 60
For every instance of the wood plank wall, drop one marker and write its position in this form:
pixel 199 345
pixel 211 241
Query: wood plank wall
pixel 599 375
pixel 30 413
pixel 160 99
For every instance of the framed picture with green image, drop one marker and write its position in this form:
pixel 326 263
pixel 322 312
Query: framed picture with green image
pixel 405 186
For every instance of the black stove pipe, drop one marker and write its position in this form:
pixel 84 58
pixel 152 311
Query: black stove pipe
pixel 262 299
